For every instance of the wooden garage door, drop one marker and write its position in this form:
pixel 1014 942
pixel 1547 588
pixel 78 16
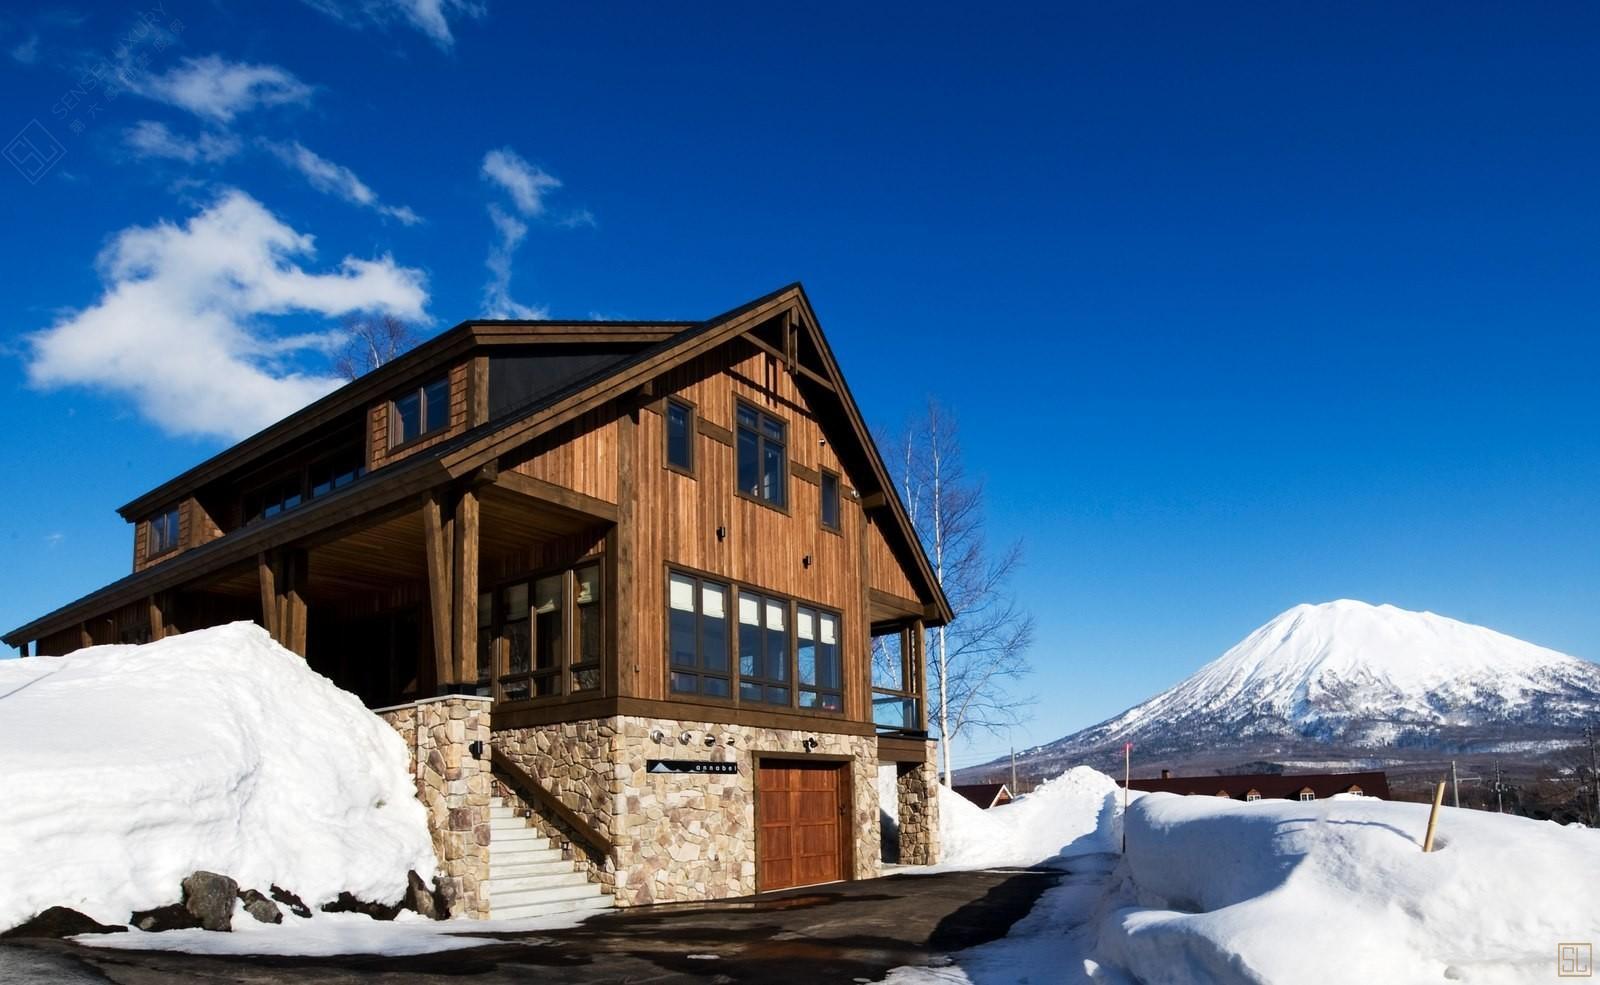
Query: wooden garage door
pixel 800 813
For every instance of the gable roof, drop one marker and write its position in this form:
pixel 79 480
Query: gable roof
pixel 663 346
pixel 985 795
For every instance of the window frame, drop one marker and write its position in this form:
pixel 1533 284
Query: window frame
pixel 175 514
pixel 837 526
pixel 700 670
pixel 423 431
pixel 735 591
pixel 691 424
pixel 801 688
pixel 567 668
pixel 911 683
pixel 782 506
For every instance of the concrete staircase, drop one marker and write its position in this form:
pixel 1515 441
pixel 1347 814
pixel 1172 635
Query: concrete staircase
pixel 527 875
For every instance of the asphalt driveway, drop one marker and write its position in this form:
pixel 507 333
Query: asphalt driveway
pixel 846 932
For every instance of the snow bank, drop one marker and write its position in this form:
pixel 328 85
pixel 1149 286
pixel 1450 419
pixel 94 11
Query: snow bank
pixel 1339 891
pixel 125 768
pixel 1074 814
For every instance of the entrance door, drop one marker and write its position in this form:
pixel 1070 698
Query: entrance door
pixel 800 813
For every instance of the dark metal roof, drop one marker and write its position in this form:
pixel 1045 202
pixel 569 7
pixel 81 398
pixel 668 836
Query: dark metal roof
pixel 1270 786
pixel 982 794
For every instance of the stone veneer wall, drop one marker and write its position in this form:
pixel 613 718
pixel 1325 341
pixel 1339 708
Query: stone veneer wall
pixel 455 789
pixel 917 786
pixel 683 837
pixel 573 761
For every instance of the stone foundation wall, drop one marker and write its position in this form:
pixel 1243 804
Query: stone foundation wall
pixel 917 786
pixel 683 837
pixel 455 788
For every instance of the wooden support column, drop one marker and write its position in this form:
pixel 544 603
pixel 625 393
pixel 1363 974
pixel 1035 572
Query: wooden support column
pixel 22 648
pixel 435 532
pixel 84 639
pixel 465 620
pixel 621 550
pixel 158 622
pixel 293 609
pixel 267 574
pixel 917 672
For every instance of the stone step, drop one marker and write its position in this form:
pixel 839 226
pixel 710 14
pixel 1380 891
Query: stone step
pixel 534 866
pixel 524 911
pixel 500 885
pixel 555 894
pixel 517 836
pixel 504 812
pixel 526 850
pixel 510 822
pixel 497 802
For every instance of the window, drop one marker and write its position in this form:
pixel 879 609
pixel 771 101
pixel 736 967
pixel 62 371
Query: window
pixel 418 412
pixel 1308 794
pixel 1253 796
pixel 278 496
pixel 896 682
pixel 486 644
pixel 830 501
pixel 548 636
pixel 163 533
pixel 819 672
pixel 763 649
pixel 335 472
pixel 680 436
pixel 588 627
pixel 697 630
pixel 763 468
pixel 516 636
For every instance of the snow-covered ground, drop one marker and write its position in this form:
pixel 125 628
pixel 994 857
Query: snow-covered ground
pixel 126 768
pixel 1218 891
pixel 1074 814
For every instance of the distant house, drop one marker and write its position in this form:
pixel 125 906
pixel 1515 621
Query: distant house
pixel 1268 786
pixel 986 795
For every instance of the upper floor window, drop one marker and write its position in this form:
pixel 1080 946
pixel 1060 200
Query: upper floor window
pixel 1308 794
pixel 820 676
pixel 163 532
pixel 763 459
pixel 763 649
pixel 698 635
pixel 830 500
pixel 275 497
pixel 335 472
pixel 680 436
pixel 421 411
pixel 1252 795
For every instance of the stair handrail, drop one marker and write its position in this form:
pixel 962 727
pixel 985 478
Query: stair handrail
pixel 534 792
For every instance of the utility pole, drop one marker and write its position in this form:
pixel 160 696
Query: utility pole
pixel 1013 771
pixel 1455 784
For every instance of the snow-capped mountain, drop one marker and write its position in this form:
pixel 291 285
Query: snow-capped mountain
pixel 1351 676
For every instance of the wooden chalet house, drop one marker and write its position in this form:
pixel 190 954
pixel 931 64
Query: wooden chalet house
pixel 645 565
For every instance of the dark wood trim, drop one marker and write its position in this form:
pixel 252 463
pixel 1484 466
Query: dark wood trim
pixel 791 363
pixel 901 607
pixel 624 660
pixel 549 492
pixel 805 473
pixel 590 838
pixel 464 617
pixel 715 432
pixel 874 501
pixel 893 749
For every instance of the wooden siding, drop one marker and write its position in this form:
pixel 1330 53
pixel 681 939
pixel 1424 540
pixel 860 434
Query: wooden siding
pixel 195 527
pixel 764 548
pixel 884 571
pixel 581 456
pixel 380 454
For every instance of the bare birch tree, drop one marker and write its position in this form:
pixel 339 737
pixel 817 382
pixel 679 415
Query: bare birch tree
pixel 973 661
pixel 373 340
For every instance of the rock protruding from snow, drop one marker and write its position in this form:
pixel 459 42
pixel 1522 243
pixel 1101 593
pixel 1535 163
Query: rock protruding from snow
pixel 128 768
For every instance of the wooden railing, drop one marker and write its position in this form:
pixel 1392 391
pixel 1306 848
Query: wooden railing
pixel 590 838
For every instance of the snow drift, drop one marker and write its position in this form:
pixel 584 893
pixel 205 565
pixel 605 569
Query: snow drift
pixel 1340 891
pixel 1074 814
pixel 125 768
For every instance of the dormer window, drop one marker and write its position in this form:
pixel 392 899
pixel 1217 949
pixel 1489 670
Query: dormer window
pixel 163 532
pixel 1307 794
pixel 424 410
pixel 1253 795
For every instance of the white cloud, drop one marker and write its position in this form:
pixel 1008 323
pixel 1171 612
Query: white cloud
pixel 337 180
pixel 431 17
pixel 497 300
pixel 148 138
pixel 182 327
pixel 525 183
pixel 27 52
pixel 218 90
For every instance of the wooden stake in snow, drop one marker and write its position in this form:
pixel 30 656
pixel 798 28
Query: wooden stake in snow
pixel 1127 778
pixel 1433 817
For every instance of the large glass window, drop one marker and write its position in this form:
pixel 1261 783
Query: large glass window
pixel 680 436
pixel 697 628
pixel 421 411
pixel 763 465
pixel 548 636
pixel 589 627
pixel 516 635
pixel 486 643
pixel 163 532
pixel 763 649
pixel 896 681
pixel 820 675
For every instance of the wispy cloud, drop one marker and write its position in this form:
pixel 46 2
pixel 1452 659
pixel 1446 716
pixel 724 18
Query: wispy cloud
pixel 148 138
pixel 217 89
pixel 183 323
pixel 26 52
pixel 497 299
pixel 431 17
pixel 526 183
pixel 336 179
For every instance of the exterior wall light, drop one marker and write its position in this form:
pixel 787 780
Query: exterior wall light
pixel 685 737
pixel 657 735
pixel 810 743
pixel 711 740
pixel 722 532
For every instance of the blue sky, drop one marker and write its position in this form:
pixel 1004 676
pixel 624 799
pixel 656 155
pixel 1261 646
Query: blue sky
pixel 1238 306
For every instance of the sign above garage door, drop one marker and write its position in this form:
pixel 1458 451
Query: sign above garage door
pixel 688 766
